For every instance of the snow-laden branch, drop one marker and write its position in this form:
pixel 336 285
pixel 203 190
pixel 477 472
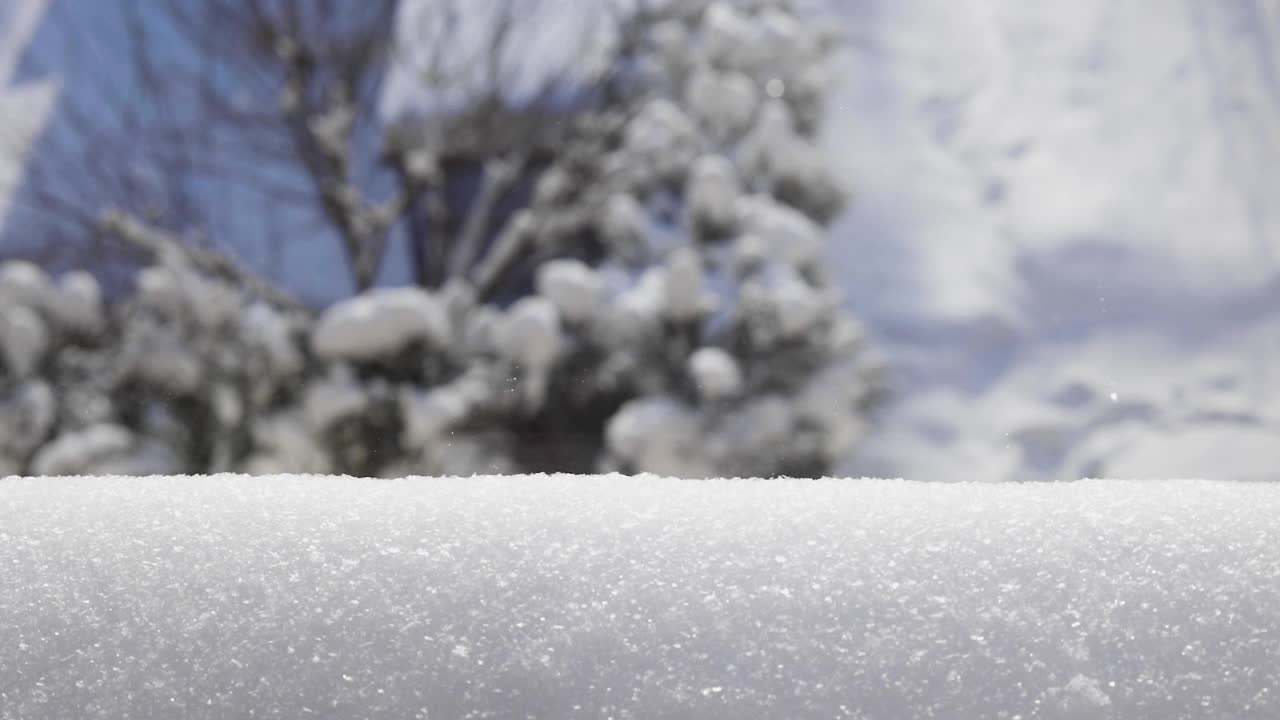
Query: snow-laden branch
pixel 164 248
pixel 498 174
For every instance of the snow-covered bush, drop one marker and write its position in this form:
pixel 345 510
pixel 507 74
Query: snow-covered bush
pixel 676 316
pixel 735 348
pixel 167 379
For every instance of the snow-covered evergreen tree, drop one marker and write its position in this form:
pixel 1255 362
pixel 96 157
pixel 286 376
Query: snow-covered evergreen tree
pixel 657 302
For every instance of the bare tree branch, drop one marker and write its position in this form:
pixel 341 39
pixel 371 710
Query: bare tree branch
pixel 162 246
pixel 191 127
pixel 498 175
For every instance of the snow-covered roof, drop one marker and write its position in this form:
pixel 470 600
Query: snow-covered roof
pixel 594 597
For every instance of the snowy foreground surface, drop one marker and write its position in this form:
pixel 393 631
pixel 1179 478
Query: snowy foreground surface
pixel 572 597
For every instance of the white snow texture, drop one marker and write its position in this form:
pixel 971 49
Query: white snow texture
pixel 595 597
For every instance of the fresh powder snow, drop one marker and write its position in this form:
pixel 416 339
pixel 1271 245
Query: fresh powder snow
pixel 595 597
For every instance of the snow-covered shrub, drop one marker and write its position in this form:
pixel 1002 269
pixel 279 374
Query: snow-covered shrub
pixel 680 320
pixel 167 379
pixel 681 304
pixel 83 451
pixel 26 417
pixel 732 344
pixel 380 322
pixel 673 315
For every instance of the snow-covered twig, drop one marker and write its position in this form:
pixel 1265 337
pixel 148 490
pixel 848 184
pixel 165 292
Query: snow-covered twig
pixel 163 247
pixel 499 173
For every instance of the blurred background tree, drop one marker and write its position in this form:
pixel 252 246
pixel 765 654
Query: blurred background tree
pixel 221 122
pixel 614 261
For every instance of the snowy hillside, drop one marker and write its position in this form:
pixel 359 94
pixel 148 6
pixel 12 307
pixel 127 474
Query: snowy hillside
pixel 1066 228
pixel 580 597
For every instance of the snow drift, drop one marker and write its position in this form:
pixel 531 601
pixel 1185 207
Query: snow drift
pixel 593 597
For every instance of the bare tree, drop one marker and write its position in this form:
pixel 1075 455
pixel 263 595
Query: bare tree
pixel 233 123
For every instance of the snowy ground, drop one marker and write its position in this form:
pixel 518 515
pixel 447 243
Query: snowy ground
pixel 1066 228
pixel 564 597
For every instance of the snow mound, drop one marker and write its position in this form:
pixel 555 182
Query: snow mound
pixel 594 597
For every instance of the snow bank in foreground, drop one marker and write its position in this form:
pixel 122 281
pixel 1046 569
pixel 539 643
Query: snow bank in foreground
pixel 563 597
pixel 452 53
